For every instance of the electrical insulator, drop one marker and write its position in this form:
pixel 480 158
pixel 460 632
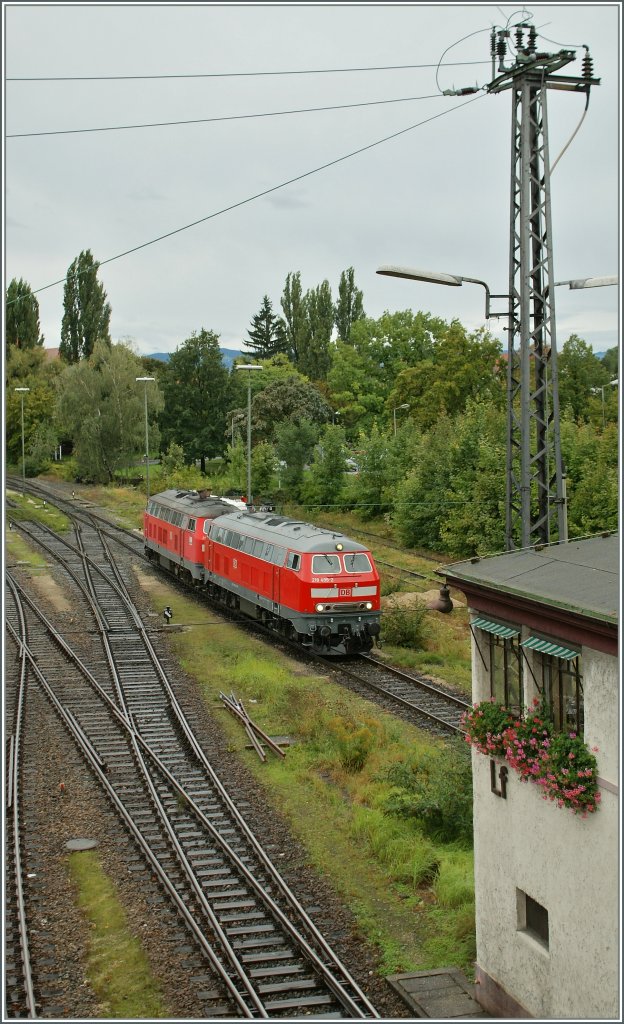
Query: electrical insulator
pixel 501 46
pixel 532 45
pixel 588 65
pixel 519 30
pixel 493 43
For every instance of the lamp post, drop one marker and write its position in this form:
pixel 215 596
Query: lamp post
pixel 335 412
pixel 394 412
pixel 22 393
pixel 145 381
pixel 601 389
pixel 249 366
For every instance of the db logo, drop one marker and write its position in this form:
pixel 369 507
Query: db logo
pixel 235 563
pixel 344 593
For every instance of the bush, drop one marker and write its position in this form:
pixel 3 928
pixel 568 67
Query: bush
pixel 405 627
pixel 354 741
pixel 437 792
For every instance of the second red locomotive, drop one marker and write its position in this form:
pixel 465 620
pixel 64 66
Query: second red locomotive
pixel 307 583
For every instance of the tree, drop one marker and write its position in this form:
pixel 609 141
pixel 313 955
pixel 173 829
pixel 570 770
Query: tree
pixel 86 316
pixel 294 445
pixel 263 465
pixel 579 371
pixel 295 316
pixel 314 344
pixel 22 328
pixel 101 408
pixel 610 361
pixel 292 398
pixel 373 477
pixel 349 306
pixel 196 389
pixel 267 333
pixel 461 366
pixel 326 478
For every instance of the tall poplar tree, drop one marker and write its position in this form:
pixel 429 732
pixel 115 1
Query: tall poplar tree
pixel 267 334
pixel 314 355
pixel 349 306
pixel 86 316
pixel 295 316
pixel 22 328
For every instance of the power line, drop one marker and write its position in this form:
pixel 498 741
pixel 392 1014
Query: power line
pixel 229 117
pixel 233 74
pixel 268 191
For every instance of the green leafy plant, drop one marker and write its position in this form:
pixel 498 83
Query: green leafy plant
pixel 436 792
pixel 405 627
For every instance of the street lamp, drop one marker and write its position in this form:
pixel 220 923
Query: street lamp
pixel 335 412
pixel 394 412
pixel 146 380
pixel 22 393
pixel 601 388
pixel 248 366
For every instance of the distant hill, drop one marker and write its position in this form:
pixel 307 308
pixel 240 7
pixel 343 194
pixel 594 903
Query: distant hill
pixel 229 355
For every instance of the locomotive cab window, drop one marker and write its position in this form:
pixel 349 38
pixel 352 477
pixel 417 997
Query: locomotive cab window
pixel 192 524
pixel 357 562
pixel 324 564
pixel 293 561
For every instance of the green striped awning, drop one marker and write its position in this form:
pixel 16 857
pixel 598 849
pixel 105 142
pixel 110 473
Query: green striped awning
pixel 548 647
pixel 495 627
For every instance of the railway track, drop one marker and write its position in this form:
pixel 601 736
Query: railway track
pixel 256 939
pixel 414 696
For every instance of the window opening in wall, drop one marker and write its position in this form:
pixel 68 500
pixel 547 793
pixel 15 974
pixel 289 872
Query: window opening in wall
pixel 505 671
pixel 532 918
pixel 563 691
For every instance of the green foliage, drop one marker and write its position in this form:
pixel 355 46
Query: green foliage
pixel 172 461
pixel 294 445
pixel 436 791
pixel 267 334
pixel 22 329
pixel 101 407
pixel 314 358
pixel 196 395
pixel 354 740
pixel 349 307
pixel 373 475
pixel 295 316
pixel 324 483
pixel 86 314
pixel 579 371
pixel 289 398
pixel 411 858
pixel 405 627
pixel 263 463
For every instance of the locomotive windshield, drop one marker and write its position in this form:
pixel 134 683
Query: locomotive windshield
pixel 357 562
pixel 322 564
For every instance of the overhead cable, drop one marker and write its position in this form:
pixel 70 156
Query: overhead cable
pixel 268 191
pixel 229 117
pixel 230 74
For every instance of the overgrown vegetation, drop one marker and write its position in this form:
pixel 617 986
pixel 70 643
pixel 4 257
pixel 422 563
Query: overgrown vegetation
pixel 410 888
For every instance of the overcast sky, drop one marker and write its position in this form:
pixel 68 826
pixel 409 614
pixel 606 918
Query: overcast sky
pixel 435 196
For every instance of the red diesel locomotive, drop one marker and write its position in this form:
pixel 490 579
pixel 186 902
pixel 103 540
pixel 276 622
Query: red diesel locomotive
pixel 307 583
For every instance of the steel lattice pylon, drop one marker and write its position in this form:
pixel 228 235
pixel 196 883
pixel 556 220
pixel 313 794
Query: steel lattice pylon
pixel 535 483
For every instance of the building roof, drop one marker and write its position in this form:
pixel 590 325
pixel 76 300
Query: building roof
pixel 582 577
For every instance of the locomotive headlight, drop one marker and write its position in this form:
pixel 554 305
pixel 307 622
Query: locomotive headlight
pixel 369 606
pixel 319 607
pixel 338 547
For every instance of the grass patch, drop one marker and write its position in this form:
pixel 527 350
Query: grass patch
pixel 117 966
pixel 28 507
